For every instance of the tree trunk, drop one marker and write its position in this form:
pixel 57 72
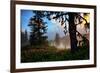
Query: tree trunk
pixel 72 32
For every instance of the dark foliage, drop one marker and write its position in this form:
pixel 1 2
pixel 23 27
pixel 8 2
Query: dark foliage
pixel 38 29
pixel 44 55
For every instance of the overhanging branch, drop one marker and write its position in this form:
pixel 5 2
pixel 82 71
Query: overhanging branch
pixel 60 16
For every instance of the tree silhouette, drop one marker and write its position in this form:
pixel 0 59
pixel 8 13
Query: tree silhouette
pixel 72 31
pixel 57 39
pixel 26 35
pixel 24 38
pixel 73 20
pixel 38 29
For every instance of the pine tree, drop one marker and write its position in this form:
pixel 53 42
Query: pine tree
pixel 38 29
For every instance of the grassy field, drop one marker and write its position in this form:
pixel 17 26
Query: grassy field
pixel 52 54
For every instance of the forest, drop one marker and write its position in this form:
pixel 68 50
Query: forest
pixel 55 36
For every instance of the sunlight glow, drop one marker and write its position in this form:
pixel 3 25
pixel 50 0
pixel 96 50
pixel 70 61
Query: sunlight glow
pixel 87 17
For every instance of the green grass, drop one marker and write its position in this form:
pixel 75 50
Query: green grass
pixel 52 54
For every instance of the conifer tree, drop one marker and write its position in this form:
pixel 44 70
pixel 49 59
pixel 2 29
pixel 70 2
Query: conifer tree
pixel 38 29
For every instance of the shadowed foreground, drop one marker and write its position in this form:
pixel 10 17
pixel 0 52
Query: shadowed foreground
pixel 44 55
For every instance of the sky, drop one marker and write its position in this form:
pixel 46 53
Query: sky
pixel 53 26
pixel 52 29
pixel 25 17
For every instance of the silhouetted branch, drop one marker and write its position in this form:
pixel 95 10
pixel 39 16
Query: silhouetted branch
pixel 57 16
pixel 82 18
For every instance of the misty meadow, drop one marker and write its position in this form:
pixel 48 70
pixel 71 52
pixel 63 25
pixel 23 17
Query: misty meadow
pixel 54 36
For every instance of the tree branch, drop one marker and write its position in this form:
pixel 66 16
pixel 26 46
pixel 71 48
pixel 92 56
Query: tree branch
pixel 81 35
pixel 82 18
pixel 60 16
